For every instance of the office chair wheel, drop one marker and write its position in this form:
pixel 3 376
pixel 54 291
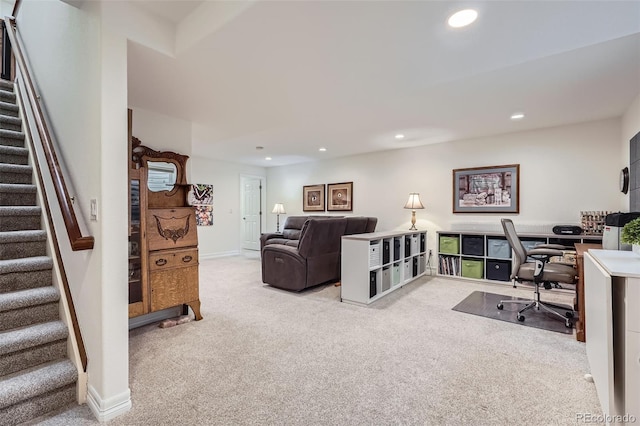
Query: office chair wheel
pixel 568 314
pixel 568 324
pixel 500 306
pixel 520 318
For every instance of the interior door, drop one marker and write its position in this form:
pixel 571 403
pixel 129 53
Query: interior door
pixel 251 212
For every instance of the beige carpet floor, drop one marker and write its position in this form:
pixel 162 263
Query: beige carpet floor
pixel 263 356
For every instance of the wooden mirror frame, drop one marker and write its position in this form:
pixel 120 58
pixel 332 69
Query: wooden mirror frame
pixel 176 197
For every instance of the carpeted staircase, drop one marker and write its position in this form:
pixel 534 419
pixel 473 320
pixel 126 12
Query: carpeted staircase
pixel 36 376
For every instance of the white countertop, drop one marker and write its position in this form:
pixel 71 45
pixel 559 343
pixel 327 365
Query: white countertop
pixel 617 262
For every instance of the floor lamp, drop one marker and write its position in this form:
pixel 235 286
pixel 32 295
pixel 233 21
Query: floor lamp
pixel 413 203
pixel 278 209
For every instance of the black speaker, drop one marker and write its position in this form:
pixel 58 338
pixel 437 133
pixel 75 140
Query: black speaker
pixel 567 230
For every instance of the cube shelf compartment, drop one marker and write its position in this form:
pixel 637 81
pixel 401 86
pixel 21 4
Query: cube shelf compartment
pixel 488 256
pixel 384 260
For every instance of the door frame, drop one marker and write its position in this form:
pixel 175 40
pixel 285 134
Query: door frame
pixel 263 202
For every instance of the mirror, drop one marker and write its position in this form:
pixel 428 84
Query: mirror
pixel 161 176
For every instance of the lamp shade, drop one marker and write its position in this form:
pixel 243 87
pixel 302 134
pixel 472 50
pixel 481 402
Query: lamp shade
pixel 278 209
pixel 414 202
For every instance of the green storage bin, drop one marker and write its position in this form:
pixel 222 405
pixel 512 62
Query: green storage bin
pixel 449 245
pixel 472 268
pixel 395 274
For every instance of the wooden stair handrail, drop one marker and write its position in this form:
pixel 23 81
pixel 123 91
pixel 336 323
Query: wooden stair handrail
pixel 77 240
pixel 16 8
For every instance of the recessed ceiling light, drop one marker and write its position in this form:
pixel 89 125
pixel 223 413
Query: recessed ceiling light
pixel 462 18
pixel 517 116
pixel 267 158
pixel 399 136
pixel 323 149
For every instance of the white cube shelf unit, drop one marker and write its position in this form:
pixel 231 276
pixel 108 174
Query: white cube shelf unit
pixel 487 256
pixel 375 264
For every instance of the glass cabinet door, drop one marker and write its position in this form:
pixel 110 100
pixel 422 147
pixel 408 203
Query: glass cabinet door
pixel 135 264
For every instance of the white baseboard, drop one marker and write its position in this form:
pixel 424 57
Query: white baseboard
pixel 107 409
pixel 217 255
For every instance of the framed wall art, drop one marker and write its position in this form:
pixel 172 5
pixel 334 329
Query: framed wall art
pixel 313 198
pixel 204 215
pixel 340 197
pixel 494 189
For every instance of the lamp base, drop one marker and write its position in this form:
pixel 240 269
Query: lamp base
pixel 413 221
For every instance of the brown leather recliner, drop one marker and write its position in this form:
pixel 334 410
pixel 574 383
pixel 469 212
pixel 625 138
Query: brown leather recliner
pixel 290 234
pixel 315 261
pixel 292 227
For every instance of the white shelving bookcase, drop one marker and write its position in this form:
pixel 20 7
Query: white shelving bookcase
pixel 375 264
pixel 484 254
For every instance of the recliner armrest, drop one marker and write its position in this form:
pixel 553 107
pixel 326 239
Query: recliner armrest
pixel 271 235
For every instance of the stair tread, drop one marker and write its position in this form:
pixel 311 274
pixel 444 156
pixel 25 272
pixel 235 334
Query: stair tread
pixel 6 84
pixel 11 134
pixel 22 236
pixel 20 210
pixel 17 187
pixel 15 168
pixel 30 336
pixel 15 150
pixel 32 297
pixel 10 119
pixel 7 105
pixel 36 263
pixel 36 382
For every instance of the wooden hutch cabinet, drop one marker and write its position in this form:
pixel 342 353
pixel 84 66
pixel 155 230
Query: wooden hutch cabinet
pixel 163 237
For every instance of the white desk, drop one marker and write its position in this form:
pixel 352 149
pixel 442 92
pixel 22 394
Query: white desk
pixel 612 302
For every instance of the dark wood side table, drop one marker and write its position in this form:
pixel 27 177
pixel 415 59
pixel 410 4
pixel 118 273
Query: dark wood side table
pixel 581 248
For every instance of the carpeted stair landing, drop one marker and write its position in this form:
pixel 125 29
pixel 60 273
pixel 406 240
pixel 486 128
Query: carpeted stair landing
pixel 36 376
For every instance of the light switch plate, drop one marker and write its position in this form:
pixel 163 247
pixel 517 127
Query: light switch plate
pixel 94 209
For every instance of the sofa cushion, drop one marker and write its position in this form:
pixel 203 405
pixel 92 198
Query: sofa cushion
pixel 371 224
pixel 356 225
pixel 292 227
pixel 277 241
pixel 322 236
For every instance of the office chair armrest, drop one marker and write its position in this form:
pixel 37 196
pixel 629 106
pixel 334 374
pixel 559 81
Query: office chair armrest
pixel 543 253
pixel 555 246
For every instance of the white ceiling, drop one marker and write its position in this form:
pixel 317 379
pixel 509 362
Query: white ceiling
pixel 293 76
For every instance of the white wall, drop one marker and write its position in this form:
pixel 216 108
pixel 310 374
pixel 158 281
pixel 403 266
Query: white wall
pixel 6 8
pixel 631 121
pixel 224 236
pixel 630 126
pixel 161 132
pixel 80 69
pixel 563 170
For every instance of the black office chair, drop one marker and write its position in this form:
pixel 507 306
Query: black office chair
pixel 540 272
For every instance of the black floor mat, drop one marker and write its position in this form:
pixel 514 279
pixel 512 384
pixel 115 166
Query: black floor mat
pixel 485 305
